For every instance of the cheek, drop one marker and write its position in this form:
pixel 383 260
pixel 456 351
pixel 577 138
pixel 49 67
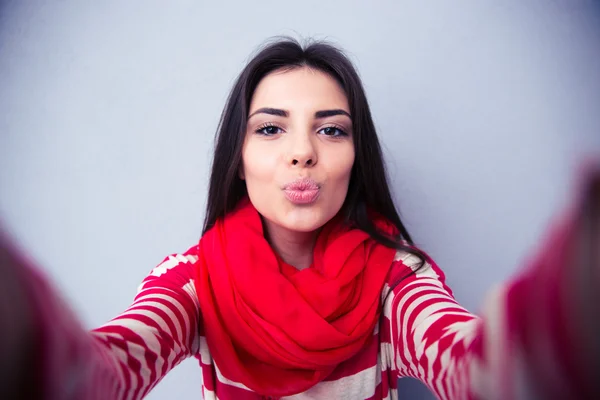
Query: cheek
pixel 258 164
pixel 341 165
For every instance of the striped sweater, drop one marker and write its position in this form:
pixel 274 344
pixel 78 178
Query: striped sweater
pixel 423 333
pixel 522 346
pixel 421 325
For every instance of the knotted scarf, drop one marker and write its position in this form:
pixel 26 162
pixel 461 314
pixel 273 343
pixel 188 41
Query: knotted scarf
pixel 279 330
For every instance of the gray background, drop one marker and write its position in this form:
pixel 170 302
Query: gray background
pixel 108 110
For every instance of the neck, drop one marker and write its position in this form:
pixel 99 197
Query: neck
pixel 295 248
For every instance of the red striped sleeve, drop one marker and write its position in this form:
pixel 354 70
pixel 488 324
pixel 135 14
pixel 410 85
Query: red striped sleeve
pixel 538 334
pixel 429 329
pixel 158 331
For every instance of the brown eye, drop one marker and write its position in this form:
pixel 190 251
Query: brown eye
pixel 333 131
pixel 269 130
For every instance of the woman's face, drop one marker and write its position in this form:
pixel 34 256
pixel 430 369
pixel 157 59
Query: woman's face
pixel 298 151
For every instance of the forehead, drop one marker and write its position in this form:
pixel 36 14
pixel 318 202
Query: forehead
pixel 299 88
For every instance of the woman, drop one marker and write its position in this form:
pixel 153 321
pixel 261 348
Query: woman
pixel 306 284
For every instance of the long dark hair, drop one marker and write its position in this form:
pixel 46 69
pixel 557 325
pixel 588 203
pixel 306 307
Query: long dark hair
pixel 368 188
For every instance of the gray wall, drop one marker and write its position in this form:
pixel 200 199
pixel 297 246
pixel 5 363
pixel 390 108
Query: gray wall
pixel 108 109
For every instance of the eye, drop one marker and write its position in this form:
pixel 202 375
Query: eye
pixel 333 131
pixel 269 130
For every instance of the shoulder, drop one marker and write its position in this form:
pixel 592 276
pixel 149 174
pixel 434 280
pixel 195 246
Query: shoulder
pixel 175 272
pixel 416 287
pixel 408 267
pixel 177 261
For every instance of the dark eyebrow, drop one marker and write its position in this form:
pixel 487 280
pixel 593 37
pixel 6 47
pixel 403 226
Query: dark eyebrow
pixel 270 111
pixel 331 113
pixel 283 113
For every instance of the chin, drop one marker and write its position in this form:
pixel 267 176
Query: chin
pixel 304 228
pixel 305 220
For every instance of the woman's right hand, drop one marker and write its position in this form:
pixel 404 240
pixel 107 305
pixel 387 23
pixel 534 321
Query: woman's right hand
pixel 44 351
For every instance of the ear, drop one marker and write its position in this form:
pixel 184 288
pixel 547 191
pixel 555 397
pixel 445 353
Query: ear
pixel 241 172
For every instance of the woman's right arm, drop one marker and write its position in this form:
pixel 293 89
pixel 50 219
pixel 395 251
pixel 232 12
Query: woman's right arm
pixel 157 332
pixel 124 359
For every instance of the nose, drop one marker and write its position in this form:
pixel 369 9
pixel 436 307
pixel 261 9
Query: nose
pixel 302 151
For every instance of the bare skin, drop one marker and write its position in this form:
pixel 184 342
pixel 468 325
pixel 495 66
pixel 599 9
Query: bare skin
pixel 299 128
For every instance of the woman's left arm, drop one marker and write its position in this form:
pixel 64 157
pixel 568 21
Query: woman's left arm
pixel 431 335
pixel 538 333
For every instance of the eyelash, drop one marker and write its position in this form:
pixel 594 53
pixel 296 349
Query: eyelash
pixel 261 130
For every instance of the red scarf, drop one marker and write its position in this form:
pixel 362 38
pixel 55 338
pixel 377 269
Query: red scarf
pixel 277 330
